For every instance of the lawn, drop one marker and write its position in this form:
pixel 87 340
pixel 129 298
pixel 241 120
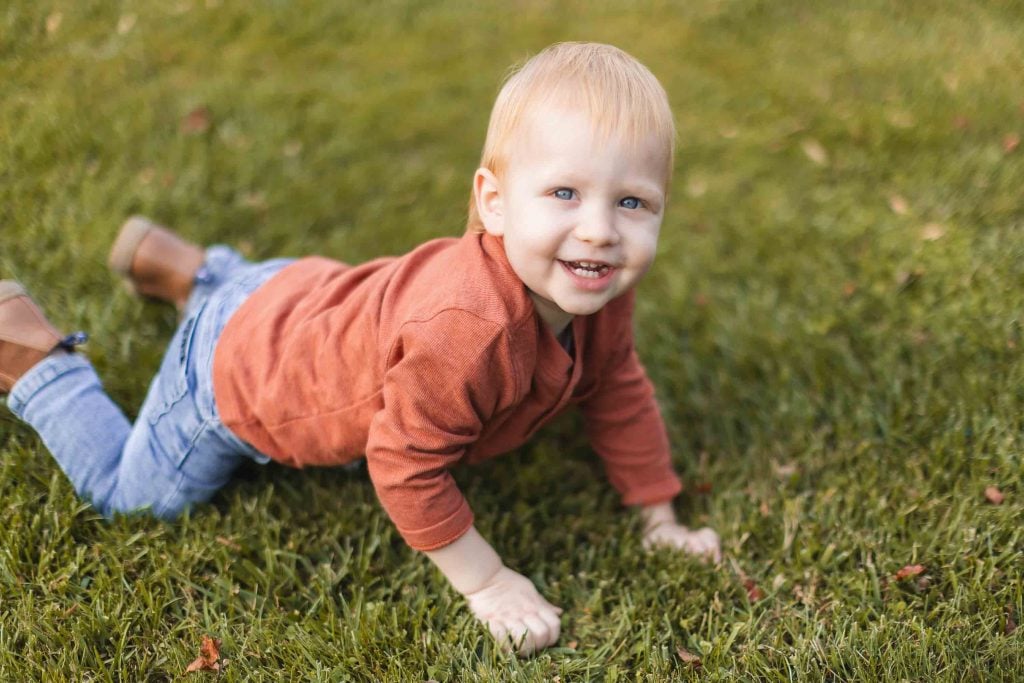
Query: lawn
pixel 834 326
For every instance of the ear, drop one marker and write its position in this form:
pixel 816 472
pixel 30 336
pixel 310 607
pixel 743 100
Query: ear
pixel 489 205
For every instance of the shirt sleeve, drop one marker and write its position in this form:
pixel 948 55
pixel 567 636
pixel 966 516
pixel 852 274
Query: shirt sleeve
pixel 447 376
pixel 626 428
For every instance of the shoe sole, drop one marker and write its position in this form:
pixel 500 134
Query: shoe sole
pixel 122 253
pixel 9 289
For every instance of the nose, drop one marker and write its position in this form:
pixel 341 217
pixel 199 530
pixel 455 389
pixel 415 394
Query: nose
pixel 597 227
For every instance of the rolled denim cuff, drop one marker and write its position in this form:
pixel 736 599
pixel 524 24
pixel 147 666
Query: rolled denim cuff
pixel 40 375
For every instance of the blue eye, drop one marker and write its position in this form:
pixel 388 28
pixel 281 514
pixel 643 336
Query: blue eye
pixel 564 193
pixel 630 203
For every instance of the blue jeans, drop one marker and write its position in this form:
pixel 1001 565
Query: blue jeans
pixel 178 452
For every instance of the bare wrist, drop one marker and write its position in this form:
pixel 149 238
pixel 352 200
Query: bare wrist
pixel 469 564
pixel 656 515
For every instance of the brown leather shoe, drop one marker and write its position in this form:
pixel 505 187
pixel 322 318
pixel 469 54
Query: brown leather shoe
pixel 155 262
pixel 26 336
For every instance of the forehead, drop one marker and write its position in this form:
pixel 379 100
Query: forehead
pixel 561 139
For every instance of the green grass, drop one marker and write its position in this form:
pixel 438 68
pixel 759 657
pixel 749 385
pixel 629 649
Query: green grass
pixel 846 388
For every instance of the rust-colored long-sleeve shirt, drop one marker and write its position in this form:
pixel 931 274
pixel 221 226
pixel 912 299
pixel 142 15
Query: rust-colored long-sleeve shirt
pixel 426 360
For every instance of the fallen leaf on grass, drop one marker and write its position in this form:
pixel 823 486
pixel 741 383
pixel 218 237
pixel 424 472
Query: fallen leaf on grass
pixel 784 470
pixel 572 644
pixel 901 119
pixel 1011 625
pixel 994 495
pixel 814 151
pixel 906 278
pixel 688 657
pixel 53 22
pixel 898 205
pixel 704 487
pixel 1011 142
pixel 209 656
pixel 908 571
pixel 253 200
pixel 754 593
pixel 229 543
pixel 849 289
pixel 932 232
pixel 126 23
pixel 196 121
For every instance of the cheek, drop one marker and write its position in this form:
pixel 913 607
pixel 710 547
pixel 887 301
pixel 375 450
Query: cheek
pixel 644 246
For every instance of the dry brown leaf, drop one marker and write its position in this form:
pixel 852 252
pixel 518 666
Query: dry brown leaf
pixel 908 571
pixel 898 205
pixel 849 289
pixel 906 278
pixel 253 200
pixel 696 187
pixel 932 231
pixel 688 657
pixel 126 23
pixel 209 656
pixel 53 22
pixel 814 151
pixel 1010 142
pixel 196 121
pixel 901 118
pixel 704 487
pixel 1011 625
pixel 754 593
pixel 784 470
pixel 994 495
pixel 572 644
pixel 229 543
pixel 146 175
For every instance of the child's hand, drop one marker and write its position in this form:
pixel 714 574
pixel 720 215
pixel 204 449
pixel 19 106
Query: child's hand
pixel 517 615
pixel 702 542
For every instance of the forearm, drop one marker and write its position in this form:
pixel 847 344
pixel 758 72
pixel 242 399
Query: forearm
pixel 469 563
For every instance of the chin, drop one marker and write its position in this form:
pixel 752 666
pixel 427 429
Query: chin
pixel 584 309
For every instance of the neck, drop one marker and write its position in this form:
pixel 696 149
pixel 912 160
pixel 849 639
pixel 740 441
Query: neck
pixel 554 318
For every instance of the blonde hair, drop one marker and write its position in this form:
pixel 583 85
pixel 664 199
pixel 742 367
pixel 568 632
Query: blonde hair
pixel 616 92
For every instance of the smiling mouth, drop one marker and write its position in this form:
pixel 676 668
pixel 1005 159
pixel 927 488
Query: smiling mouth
pixel 588 269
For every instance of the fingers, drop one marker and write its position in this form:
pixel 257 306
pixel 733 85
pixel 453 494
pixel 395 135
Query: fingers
pixel 703 542
pixel 712 544
pixel 517 638
pixel 539 634
pixel 528 634
pixel 553 623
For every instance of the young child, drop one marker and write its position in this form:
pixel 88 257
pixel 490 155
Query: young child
pixel 455 352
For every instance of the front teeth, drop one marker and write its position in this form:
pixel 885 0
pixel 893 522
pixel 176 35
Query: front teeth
pixel 587 269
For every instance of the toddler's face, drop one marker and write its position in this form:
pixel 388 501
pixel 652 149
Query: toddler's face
pixel 580 217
